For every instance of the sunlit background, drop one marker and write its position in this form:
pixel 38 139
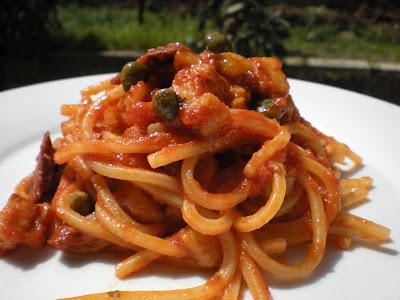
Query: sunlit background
pixel 350 44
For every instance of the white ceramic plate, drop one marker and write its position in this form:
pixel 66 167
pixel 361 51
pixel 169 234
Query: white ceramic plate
pixel 371 127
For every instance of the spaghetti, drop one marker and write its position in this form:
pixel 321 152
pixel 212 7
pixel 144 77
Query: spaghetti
pixel 196 160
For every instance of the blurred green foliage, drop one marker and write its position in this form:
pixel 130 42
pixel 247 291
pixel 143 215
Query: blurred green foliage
pixel 104 27
pixel 252 29
pixel 358 38
pixel 32 26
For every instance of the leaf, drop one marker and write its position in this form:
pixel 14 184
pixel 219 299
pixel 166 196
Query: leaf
pixel 233 9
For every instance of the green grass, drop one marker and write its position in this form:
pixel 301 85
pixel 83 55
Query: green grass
pixel 111 28
pixel 372 42
pixel 98 28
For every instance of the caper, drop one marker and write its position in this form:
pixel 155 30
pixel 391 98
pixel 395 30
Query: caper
pixel 79 201
pixel 166 104
pixel 269 109
pixel 217 42
pixel 132 72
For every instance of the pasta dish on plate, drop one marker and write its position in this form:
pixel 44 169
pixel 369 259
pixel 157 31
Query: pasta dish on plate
pixel 195 160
